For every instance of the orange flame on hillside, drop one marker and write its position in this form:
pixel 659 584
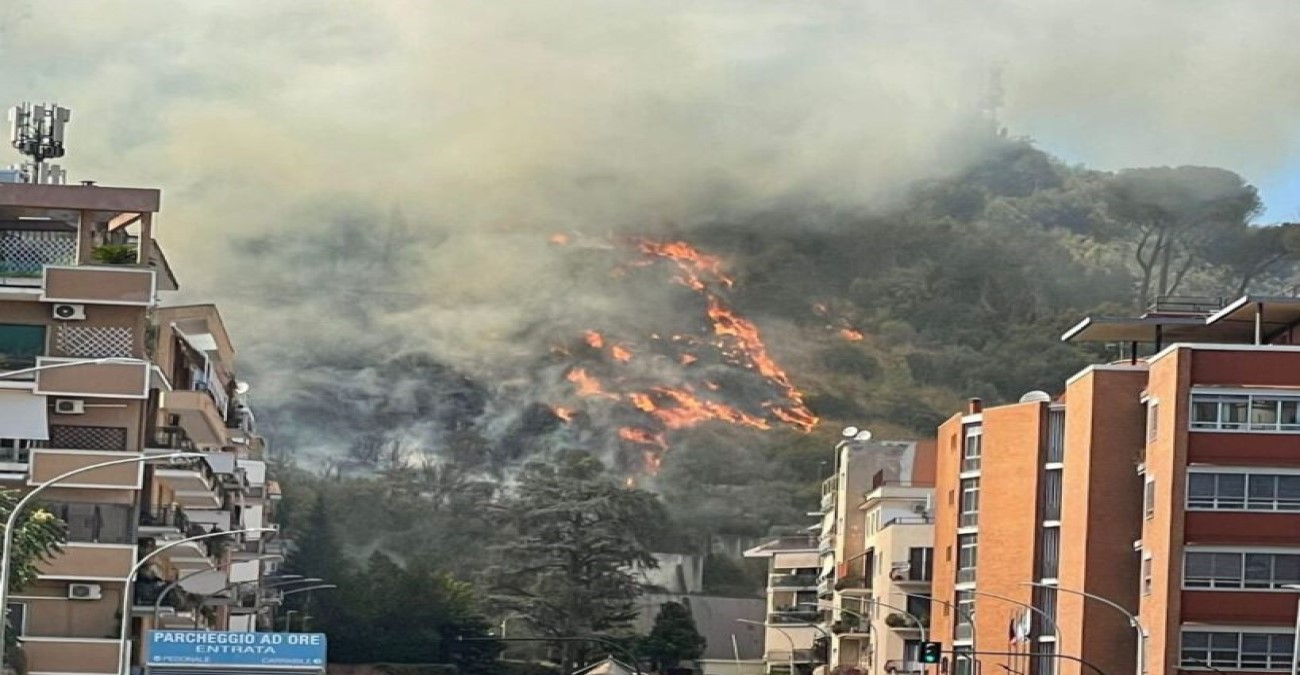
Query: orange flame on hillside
pixel 587 385
pixel 594 339
pixel 620 353
pixel 558 239
pixel 563 413
pixel 852 335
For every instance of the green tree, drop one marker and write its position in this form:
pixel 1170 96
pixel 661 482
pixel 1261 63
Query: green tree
pixel 577 537
pixel 1177 216
pixel 39 536
pixel 673 638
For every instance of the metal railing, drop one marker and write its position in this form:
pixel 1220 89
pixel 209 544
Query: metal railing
pixel 792 616
pixel 792 581
pixel 165 516
pixel 899 666
pixel 906 571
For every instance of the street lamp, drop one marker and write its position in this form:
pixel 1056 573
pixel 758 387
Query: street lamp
pixel 779 630
pixel 6 551
pixel 128 582
pixel 1132 619
pixel 309 589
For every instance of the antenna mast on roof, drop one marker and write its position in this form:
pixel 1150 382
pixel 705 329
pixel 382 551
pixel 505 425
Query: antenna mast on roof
pixel 37 132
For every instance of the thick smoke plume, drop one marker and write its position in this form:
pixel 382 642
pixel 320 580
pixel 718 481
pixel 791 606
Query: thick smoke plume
pixel 369 188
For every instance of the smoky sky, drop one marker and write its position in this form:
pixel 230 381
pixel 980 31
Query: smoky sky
pixel 379 178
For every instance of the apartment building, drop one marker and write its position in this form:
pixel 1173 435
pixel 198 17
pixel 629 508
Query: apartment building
pixel 876 524
pixel 1167 483
pixel 791 638
pixel 92 369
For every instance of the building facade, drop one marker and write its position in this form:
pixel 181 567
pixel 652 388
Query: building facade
pixel 790 632
pixel 94 368
pixel 1164 486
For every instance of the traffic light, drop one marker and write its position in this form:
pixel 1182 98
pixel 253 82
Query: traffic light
pixel 931 652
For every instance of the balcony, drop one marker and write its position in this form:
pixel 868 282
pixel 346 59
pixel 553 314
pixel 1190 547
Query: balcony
pixel 107 284
pixel 904 667
pixel 163 520
pixel 780 657
pixel 26 247
pixel 904 623
pixel 48 464
pixel 905 574
pixel 854 585
pixel 850 625
pixel 96 561
pixel 826 544
pixel 792 616
pixel 70 655
pixel 200 413
pixel 792 581
pixel 88 379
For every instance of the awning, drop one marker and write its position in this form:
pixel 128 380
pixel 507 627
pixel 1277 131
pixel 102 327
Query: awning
pixel 23 415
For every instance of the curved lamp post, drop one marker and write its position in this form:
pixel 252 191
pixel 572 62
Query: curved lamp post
pixel 787 636
pixel 298 579
pixel 129 582
pixel 1132 619
pixel 157 603
pixel 7 549
pixel 305 616
pixel 1047 618
pixel 956 609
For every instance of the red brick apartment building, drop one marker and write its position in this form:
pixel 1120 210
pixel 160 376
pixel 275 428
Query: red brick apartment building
pixel 1167 484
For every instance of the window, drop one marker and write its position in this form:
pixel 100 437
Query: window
pixel 965 614
pixel 1146 573
pixel 1236 651
pixel 1153 420
pixel 1240 570
pixel 97 523
pixel 1235 491
pixel 1046 601
pixel 970 503
pixel 1046 658
pixel 20 345
pixel 920 562
pixel 1149 498
pixel 967 544
pixel 18 618
pixel 973 449
pixel 17 450
pixel 1052 485
pixel 1049 558
pixel 1055 436
pixel 1246 412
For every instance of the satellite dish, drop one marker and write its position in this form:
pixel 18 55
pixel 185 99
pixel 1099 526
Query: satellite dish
pixel 863 435
pixel 849 432
pixel 241 388
pixel 1036 396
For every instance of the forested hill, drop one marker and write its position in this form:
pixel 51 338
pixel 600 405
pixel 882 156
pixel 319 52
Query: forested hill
pixel 886 318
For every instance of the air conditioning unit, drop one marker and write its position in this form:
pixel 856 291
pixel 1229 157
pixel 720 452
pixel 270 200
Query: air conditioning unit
pixel 68 312
pixel 921 508
pixel 69 406
pixel 85 592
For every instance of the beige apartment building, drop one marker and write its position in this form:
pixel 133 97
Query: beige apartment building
pixel 94 368
pixel 876 513
pixel 791 634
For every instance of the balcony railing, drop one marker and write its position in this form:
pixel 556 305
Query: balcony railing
pixel 904 622
pixel 854 583
pixel 23 253
pixel 170 438
pixel 904 667
pixel 165 516
pixel 781 657
pixel 907 572
pixel 793 581
pixel 792 616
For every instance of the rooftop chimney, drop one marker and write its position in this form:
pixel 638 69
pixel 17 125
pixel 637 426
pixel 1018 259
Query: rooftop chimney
pixel 975 407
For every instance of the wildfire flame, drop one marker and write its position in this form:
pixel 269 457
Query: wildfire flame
pixel 563 413
pixel 558 239
pixel 680 406
pixel 852 334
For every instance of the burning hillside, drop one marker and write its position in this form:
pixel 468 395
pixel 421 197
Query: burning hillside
pixel 723 338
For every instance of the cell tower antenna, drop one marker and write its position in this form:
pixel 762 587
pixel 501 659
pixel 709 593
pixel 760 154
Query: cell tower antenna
pixel 36 130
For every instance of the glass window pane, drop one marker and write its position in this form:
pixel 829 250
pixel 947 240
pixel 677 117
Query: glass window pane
pixel 1263 413
pixel 1259 570
pixel 1287 413
pixel 1261 487
pixel 1195 640
pixel 20 345
pixel 1286 569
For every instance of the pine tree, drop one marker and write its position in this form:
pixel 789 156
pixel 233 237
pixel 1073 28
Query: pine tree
pixel 577 536
pixel 673 638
